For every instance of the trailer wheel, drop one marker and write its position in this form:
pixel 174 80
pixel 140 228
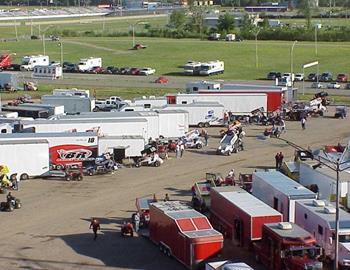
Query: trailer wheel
pixel 200 124
pixel 206 124
pixel 13 177
pixel 24 176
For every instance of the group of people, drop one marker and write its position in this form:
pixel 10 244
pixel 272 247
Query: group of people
pixel 279 160
pixel 179 150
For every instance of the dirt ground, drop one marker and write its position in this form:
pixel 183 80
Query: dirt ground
pixel 51 231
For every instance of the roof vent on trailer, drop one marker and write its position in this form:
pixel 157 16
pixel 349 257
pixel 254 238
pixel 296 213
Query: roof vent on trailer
pixel 285 226
pixel 329 210
pixel 318 203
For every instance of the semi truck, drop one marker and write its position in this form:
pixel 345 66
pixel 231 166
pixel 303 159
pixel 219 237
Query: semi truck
pixel 280 192
pixel 29 62
pixel 239 104
pixel 285 245
pixel 202 114
pixel 183 233
pixel 238 215
pixel 28 158
pixel 63 148
pixel 318 218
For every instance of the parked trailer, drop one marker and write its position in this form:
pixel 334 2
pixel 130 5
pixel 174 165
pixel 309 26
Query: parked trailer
pixel 27 111
pixel 86 64
pixel 183 233
pixel 149 102
pixel 121 146
pixel 28 158
pixel 106 127
pixel 72 104
pixel 52 109
pixel 29 62
pixel 151 117
pixel 51 72
pixel 71 92
pixel 280 192
pixel 173 123
pixel 9 80
pixel 212 68
pixel 238 104
pixel 201 113
pixel 238 215
pixel 325 180
pixel 64 147
pixel 192 68
pixel 318 218
pixel 276 95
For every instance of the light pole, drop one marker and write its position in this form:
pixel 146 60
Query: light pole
pixel 60 44
pixel 337 165
pixel 317 26
pixel 256 47
pixel 291 62
pixel 43 37
pixel 133 31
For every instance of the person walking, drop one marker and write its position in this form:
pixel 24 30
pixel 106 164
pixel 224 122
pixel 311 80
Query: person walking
pixel 280 160
pixel 303 123
pixel 166 198
pixel 277 160
pixel 206 136
pixel 177 150
pixel 95 225
pixel 182 149
pixel 137 221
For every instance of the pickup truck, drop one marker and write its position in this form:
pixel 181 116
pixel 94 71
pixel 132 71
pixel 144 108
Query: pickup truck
pixel 109 105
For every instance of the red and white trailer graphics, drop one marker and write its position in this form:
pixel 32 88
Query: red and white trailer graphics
pixel 239 215
pixel 183 233
pixel 276 95
pixel 64 147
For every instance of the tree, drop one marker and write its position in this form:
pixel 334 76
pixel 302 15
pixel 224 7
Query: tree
pixel 177 19
pixel 226 23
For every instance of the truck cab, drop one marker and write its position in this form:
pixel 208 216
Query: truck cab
pixel 285 245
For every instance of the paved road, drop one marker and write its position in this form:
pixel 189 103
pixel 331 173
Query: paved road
pixel 175 82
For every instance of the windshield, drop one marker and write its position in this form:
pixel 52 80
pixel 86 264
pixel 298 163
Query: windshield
pixel 189 67
pixel 345 238
pixel 25 62
pixel 311 252
pixel 205 67
pixel 227 139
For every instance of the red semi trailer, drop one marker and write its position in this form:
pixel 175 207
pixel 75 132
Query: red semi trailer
pixel 239 215
pixel 5 61
pixel 183 233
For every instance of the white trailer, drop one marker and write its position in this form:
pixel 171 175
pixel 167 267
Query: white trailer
pixel 212 68
pixel 200 85
pixel 29 62
pixel 151 117
pixel 238 104
pixel 27 158
pixel 325 179
pixel 149 102
pixel 106 127
pixel 72 104
pixel 51 72
pixel 173 123
pixel 53 109
pixel 318 218
pixel 9 79
pixel 280 192
pixel 86 64
pixel 201 113
pixel 71 92
pixel 122 146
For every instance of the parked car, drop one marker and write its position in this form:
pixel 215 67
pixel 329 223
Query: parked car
pixel 96 70
pixel 312 77
pixel 124 70
pixel 326 77
pixel 347 86
pixel 14 67
pixel 341 77
pixel 162 80
pixel 147 71
pixel 316 85
pixel 272 75
pixel 112 70
pixel 299 77
pixel 69 67
pixel 333 85
pixel 134 71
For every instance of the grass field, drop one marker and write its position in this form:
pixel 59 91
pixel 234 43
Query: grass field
pixel 166 55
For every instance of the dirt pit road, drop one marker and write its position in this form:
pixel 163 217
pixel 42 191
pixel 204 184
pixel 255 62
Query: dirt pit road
pixel 51 231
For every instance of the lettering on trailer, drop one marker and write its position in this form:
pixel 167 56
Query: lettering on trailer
pixel 76 154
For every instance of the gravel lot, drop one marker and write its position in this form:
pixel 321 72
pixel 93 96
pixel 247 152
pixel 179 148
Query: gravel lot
pixel 51 231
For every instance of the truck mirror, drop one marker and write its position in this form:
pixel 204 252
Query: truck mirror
pixel 330 240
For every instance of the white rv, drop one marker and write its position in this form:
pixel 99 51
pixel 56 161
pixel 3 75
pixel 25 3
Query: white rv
pixel 86 64
pixel 192 68
pixel 51 72
pixel 318 218
pixel 29 62
pixel 212 68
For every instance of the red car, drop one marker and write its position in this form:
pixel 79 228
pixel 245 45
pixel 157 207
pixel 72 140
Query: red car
pixel 162 80
pixel 342 77
pixel 96 70
pixel 134 71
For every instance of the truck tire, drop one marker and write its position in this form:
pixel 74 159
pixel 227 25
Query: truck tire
pixel 206 124
pixel 200 124
pixel 24 176
pixel 13 177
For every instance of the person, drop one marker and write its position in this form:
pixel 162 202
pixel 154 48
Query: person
pixel 206 136
pixel 15 181
pixel 155 198
pixel 137 221
pixel 166 198
pixel 9 197
pixel 182 149
pixel 226 120
pixel 231 173
pixel 177 150
pixel 277 160
pixel 303 123
pixel 283 126
pixel 95 225
pixel 280 160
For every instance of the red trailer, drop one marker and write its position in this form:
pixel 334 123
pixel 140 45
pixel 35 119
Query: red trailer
pixel 5 61
pixel 183 233
pixel 239 215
